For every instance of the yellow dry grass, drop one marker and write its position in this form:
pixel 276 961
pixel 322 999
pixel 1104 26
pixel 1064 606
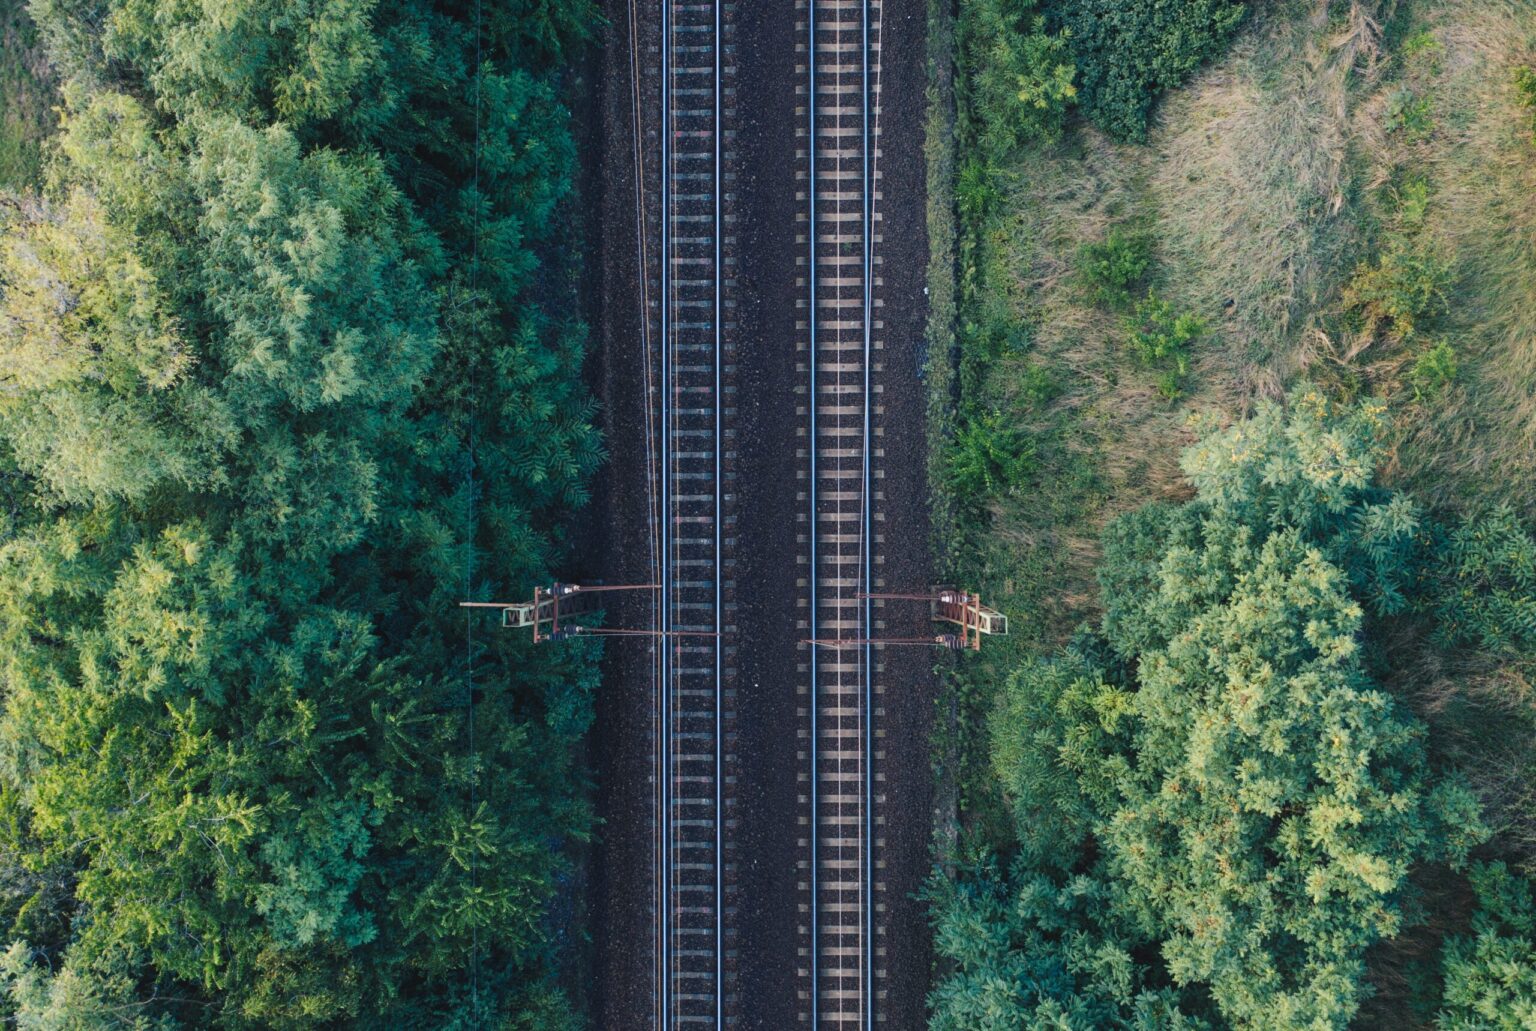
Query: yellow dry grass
pixel 1245 185
pixel 1478 441
pixel 1251 183
pixel 1262 183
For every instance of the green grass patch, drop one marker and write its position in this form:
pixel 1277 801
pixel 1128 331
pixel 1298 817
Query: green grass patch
pixel 1525 94
pixel 27 97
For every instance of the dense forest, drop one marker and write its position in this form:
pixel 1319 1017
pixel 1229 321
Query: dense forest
pixel 1238 302
pixel 288 367
pixel 1233 310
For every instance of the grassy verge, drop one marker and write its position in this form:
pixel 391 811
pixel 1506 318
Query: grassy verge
pixel 26 98
pixel 939 371
pixel 1347 196
pixel 1268 186
pixel 1450 153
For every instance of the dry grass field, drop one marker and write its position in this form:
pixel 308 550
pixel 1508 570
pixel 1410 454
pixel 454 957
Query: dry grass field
pixel 1476 441
pixel 1348 196
pixel 1267 184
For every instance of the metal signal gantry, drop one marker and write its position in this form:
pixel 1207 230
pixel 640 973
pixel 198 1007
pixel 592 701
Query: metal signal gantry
pixel 947 605
pixel 565 601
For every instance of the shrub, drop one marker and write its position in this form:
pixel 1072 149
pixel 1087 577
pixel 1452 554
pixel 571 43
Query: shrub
pixel 989 456
pixel 976 189
pixel 1021 76
pixel 1433 371
pixel 1490 977
pixel 1407 283
pixel 1410 114
pixel 994 335
pixel 1113 269
pixel 1160 337
pixel 1218 808
pixel 1421 45
pixel 1412 202
pixel 1483 585
pixel 1038 385
pixel 1525 94
pixel 1042 78
pixel 1128 52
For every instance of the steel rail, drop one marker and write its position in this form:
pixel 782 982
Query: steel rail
pixel 815 570
pixel 867 532
pixel 860 738
pixel 696 679
pixel 664 695
pixel 719 321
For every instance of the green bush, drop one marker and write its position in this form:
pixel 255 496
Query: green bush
pixel 1128 52
pixel 1410 114
pixel 1406 284
pixel 1218 808
pixel 1038 385
pixel 1114 269
pixel 1483 585
pixel 1423 48
pixel 1020 77
pixel 989 457
pixel 1411 203
pixel 1161 337
pixel 976 189
pixel 1433 371
pixel 1490 976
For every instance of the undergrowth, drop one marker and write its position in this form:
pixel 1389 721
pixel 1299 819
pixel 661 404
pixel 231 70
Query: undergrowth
pixel 26 98
pixel 1348 196
pixel 1464 242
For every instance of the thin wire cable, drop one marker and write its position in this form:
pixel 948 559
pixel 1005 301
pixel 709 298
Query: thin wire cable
pixel 653 513
pixel 469 543
pixel 866 713
pixel 719 624
pixel 815 787
pixel 638 159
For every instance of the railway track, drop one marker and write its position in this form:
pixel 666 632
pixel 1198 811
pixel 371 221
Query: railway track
pixel 841 966
pixel 695 398
pixel 842 953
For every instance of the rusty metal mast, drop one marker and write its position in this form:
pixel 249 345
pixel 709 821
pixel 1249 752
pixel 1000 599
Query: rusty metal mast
pixel 947 605
pixel 563 601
